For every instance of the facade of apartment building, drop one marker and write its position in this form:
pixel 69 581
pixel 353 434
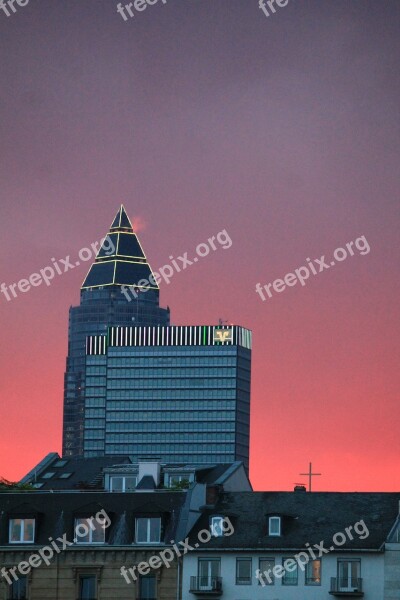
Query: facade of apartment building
pixel 298 545
pixel 102 528
pixel 221 539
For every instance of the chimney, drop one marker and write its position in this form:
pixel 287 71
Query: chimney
pixel 212 494
pixel 300 488
pixel 152 468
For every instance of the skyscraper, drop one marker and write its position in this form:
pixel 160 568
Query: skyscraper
pixel 180 394
pixel 119 262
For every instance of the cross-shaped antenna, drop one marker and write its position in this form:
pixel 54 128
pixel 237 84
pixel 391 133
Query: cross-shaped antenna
pixel 310 475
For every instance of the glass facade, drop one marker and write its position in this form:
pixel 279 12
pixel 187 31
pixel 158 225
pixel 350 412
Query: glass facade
pixel 99 308
pixel 185 402
pixel 106 300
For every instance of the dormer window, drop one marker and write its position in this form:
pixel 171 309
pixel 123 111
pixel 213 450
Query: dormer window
pixel 148 530
pixel 22 531
pixel 123 483
pixel 178 481
pixel 274 526
pixel 216 526
pixel 89 531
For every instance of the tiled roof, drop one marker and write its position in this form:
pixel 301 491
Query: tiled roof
pixel 306 518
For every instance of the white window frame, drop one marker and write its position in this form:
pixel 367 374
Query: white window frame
pixel 148 528
pixel 213 526
pixel 85 521
pixel 179 477
pixel 124 478
pixel 21 540
pixel 211 563
pixel 271 520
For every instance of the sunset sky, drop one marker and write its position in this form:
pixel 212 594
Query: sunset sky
pixel 202 116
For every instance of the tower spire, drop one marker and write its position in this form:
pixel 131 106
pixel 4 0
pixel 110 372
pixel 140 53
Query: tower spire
pixel 121 260
pixel 121 221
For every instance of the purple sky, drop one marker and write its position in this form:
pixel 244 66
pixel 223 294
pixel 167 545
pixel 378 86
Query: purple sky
pixel 201 116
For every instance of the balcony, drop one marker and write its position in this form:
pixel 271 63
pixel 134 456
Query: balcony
pixel 352 587
pixel 206 586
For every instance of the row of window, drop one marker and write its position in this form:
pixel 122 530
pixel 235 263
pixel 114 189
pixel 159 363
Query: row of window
pixel 87 530
pixel 176 454
pixel 87 588
pixel 208 572
pixel 166 415
pixel 117 353
pixel 167 384
pixel 166 394
pixel 162 371
pixel 177 437
pixel 210 568
pixel 223 424
pixel 169 361
pixel 287 570
pixel 156 405
pixel 166 448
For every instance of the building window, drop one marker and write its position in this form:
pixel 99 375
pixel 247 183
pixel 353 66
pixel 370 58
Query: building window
pixel 290 576
pixel 348 575
pixel 274 526
pixel 123 484
pixel 313 572
pixel 89 531
pixel 148 530
pixel 209 574
pixel 48 475
pixel 178 481
pixel 266 567
pixel 22 531
pixel 60 463
pixel 216 526
pixel 243 571
pixel 87 587
pixel 147 587
pixel 19 589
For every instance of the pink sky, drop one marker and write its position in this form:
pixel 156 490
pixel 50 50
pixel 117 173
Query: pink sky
pixel 284 132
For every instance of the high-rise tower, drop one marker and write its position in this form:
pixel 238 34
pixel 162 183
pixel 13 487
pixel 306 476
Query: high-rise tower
pixel 120 262
pixel 179 394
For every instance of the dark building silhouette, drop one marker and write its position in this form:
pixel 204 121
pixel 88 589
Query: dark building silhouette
pixel 120 262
